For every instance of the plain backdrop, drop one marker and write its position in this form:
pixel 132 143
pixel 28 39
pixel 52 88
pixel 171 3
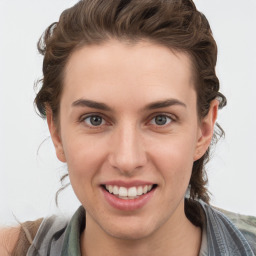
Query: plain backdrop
pixel 29 171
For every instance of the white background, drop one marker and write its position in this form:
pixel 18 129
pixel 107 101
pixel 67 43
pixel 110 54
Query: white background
pixel 29 179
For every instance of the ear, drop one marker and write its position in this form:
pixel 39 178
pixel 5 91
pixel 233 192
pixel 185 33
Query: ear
pixel 56 139
pixel 206 129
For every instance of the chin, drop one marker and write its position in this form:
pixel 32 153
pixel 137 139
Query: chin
pixel 131 234
pixel 128 230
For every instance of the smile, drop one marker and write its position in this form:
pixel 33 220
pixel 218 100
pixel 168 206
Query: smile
pixel 128 196
pixel 128 193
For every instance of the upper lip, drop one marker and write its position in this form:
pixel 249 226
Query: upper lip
pixel 127 184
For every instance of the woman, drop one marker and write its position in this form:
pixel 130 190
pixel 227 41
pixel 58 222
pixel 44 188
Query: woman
pixel 131 98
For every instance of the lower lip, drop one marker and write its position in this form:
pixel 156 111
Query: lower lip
pixel 128 204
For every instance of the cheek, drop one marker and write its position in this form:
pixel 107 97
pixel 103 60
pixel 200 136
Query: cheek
pixel 174 159
pixel 84 157
pixel 84 161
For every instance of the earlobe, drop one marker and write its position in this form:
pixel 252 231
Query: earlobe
pixel 55 136
pixel 206 130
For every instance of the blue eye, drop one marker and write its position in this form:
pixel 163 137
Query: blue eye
pixel 161 120
pixel 94 120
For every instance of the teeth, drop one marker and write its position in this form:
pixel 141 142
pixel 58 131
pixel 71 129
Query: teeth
pixel 123 192
pixel 130 193
pixel 139 191
pixel 115 190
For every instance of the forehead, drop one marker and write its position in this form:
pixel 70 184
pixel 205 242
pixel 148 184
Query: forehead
pixel 150 69
pixel 115 52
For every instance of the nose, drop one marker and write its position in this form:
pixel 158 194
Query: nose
pixel 127 152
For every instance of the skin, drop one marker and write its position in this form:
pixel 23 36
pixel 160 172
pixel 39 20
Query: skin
pixel 8 239
pixel 129 145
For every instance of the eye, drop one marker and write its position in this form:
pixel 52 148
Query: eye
pixel 94 120
pixel 161 120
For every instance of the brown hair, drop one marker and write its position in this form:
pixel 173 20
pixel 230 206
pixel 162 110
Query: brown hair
pixel 176 24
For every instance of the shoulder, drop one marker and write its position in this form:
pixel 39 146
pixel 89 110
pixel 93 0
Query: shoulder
pixel 49 236
pixel 243 222
pixel 59 234
pixel 8 239
pixel 232 228
pixel 246 224
pixel 16 240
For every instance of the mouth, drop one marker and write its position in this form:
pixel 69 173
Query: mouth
pixel 129 193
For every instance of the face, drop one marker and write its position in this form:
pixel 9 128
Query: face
pixel 129 132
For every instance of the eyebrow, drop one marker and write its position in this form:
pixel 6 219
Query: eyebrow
pixel 164 103
pixel 103 106
pixel 90 104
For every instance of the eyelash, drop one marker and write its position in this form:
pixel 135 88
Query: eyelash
pixel 83 120
pixel 167 116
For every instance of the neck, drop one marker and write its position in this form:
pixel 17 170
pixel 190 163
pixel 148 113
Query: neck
pixel 178 236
